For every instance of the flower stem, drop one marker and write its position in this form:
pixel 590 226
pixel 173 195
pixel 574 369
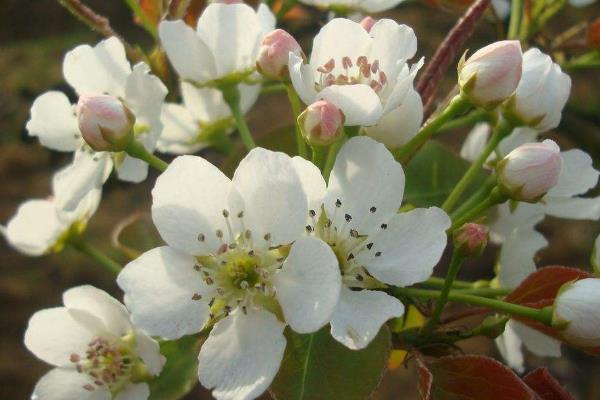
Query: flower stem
pixel 468 120
pixel 435 282
pixel 503 129
pixel 96 255
pixel 231 95
pixel 476 198
pixel 295 103
pixel 455 264
pixel 514 25
pixel 137 150
pixel 319 154
pixel 543 315
pixel 457 105
pixel 331 155
pixel 495 197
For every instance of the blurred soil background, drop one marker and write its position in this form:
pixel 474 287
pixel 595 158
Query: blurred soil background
pixel 35 34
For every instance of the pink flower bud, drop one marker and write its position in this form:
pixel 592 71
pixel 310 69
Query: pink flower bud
pixel 367 23
pixel 491 74
pixel 577 312
pixel 471 239
pixel 530 171
pixel 321 123
pixel 274 53
pixel 105 122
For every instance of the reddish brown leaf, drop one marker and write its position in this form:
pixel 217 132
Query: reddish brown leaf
pixel 425 379
pixel 473 377
pixel 545 386
pixel 543 284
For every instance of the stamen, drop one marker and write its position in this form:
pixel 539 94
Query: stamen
pixel 201 237
pixel 383 226
pixel 373 209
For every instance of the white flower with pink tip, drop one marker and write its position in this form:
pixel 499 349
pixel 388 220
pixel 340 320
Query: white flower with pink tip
pixel 365 74
pixel 96 351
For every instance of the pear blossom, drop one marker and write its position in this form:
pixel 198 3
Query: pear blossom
pixel 360 6
pixel 226 42
pixel 356 214
pixel 492 73
pixel 192 126
pixel 541 94
pixel 41 226
pixel 96 351
pixel 93 71
pixel 235 261
pixel 365 74
pixel 576 312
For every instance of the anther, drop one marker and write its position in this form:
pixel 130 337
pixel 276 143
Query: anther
pixel 240 214
pixel 338 203
pixel 348 217
pixel 375 66
pixel 382 77
pixel 88 387
pixel 309 228
pixel 197 267
pixel 244 309
pixel 226 213
pixel 350 257
pixel 251 253
pixel 267 237
pixel 377 254
pixel 369 245
pixel 373 209
pixel 219 233
pixel 196 296
pixel 248 234
pixel 74 358
pixel 383 226
pixel 359 277
pixel 346 62
pixel 312 213
pixel 353 233
pixel 209 281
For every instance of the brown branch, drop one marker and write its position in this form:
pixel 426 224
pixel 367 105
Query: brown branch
pixel 447 52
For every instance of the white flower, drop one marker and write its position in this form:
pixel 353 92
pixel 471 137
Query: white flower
pixel 228 262
pixel 365 6
pixel 41 226
pixel 191 126
pixel 364 73
pixel 577 312
pixel 542 92
pixel 98 70
pixel 492 73
pixel 226 42
pixel 357 215
pixel 96 350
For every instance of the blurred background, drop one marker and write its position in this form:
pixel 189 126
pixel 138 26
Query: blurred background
pixel 35 34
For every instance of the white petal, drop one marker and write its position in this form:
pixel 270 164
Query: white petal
pixel 206 104
pixel 303 79
pixel 133 391
pixel 87 172
pixel 67 384
pixel 409 248
pixel 101 69
pixel 475 142
pixel 401 124
pixel 54 122
pixel 188 200
pixel 233 33
pixel 149 351
pixel 535 341
pixel 375 6
pixel 180 130
pixel 54 334
pixel 507 219
pixel 35 228
pixel 101 305
pixel 275 203
pixel 516 261
pixel 577 176
pixel 312 182
pixel 510 348
pixel 339 38
pixel 189 55
pixel 364 175
pixel 266 17
pixel 308 286
pixel 359 103
pixel 360 314
pixel 392 42
pixel 158 287
pixel 519 136
pixel 502 8
pixel 242 354
pixel 144 95
pixel 132 170
pixel 573 207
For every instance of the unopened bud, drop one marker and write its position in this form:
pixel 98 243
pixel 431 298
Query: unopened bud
pixel 274 53
pixel 105 122
pixel 577 312
pixel 367 23
pixel 471 239
pixel 528 172
pixel 321 123
pixel 491 74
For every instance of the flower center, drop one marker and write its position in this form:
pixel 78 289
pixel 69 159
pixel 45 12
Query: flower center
pixel 359 71
pixel 240 272
pixel 111 363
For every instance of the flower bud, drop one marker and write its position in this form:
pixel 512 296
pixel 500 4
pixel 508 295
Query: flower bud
pixel 105 122
pixel 273 56
pixel 471 239
pixel 541 95
pixel 491 74
pixel 321 123
pixel 577 312
pixel 367 23
pixel 528 172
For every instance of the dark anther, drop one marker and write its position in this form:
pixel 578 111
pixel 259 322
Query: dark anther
pixel 383 226
pixel 338 203
pixel 373 209
pixel 348 217
pixel 312 213
pixel 369 245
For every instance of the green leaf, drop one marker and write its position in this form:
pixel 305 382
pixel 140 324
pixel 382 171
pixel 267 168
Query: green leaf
pixel 180 373
pixel 433 173
pixel 317 367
